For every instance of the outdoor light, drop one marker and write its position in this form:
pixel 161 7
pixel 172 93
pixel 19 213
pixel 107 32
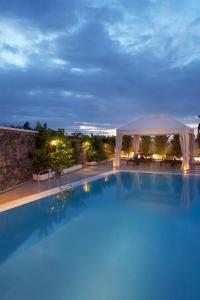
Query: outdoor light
pixel 106 178
pixel 86 187
pixel 54 142
pixel 185 171
pixel 158 156
pixel 114 164
pixel 87 144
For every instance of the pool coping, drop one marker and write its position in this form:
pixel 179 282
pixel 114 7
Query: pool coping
pixel 24 200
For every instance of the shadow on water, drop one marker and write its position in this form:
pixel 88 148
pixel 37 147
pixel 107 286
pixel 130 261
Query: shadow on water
pixel 26 225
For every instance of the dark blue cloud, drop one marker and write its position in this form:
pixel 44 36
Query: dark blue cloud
pixel 45 14
pixel 106 62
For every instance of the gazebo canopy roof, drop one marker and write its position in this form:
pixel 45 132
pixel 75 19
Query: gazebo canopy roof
pixel 155 125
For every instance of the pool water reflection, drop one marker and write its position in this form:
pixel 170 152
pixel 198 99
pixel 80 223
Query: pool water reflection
pixel 125 236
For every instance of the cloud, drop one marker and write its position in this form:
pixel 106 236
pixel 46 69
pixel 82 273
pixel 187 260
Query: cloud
pixel 45 14
pixel 20 43
pixel 162 31
pixel 98 61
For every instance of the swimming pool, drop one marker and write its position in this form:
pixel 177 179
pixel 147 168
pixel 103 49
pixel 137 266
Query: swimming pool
pixel 123 236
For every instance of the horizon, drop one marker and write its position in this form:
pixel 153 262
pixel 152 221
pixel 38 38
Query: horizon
pixel 89 129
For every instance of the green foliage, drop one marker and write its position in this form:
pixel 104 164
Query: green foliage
pixel 59 154
pixel 56 151
pixel 145 145
pixel 127 144
pixel 108 150
pixel 109 145
pixel 94 148
pixel 53 151
pixel 176 147
pixel 161 143
pixel 98 148
pixel 111 140
pixel 91 148
pixel 76 142
pixel 40 160
pixel 41 127
pixel 44 134
pixel 89 151
pixel 198 140
pixel 27 126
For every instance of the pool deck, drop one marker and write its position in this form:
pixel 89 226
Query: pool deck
pixel 31 187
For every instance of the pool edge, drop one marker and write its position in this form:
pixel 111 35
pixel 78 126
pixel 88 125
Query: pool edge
pixel 31 198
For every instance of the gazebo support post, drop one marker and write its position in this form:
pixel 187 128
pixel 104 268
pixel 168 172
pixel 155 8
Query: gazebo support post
pixel 186 141
pixel 136 144
pixel 118 149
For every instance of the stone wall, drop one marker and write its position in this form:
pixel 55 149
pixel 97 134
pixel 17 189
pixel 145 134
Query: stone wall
pixel 15 162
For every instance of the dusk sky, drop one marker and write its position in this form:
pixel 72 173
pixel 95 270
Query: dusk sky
pixel 80 63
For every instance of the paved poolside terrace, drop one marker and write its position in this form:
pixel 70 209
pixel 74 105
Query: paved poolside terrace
pixel 31 187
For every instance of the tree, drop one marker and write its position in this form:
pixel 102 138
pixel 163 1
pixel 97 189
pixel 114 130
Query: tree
pixel 27 126
pixel 59 154
pixel 176 147
pixel 111 141
pixel 97 145
pixel 198 140
pixel 161 143
pixel 76 141
pixel 127 144
pixel 145 145
pixel 53 151
pixel 40 160
pixel 41 127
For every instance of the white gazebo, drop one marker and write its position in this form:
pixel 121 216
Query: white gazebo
pixel 157 125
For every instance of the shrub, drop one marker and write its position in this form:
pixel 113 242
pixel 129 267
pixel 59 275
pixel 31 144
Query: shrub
pixel 53 151
pixel 145 145
pixel 198 141
pixel 176 147
pixel 127 144
pixel 161 143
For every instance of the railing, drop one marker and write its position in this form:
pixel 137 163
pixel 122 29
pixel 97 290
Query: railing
pixel 67 182
pixel 56 180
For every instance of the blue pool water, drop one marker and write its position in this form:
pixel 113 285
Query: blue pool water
pixel 123 237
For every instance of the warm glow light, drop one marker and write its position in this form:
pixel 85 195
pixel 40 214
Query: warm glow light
pixel 54 142
pixel 157 156
pixel 106 178
pixel 185 171
pixel 114 163
pixel 127 154
pixel 86 145
pixel 86 187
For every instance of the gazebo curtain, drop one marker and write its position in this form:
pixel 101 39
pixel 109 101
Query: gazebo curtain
pixel 118 149
pixel 136 144
pixel 187 148
pixel 153 125
pixel 186 142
